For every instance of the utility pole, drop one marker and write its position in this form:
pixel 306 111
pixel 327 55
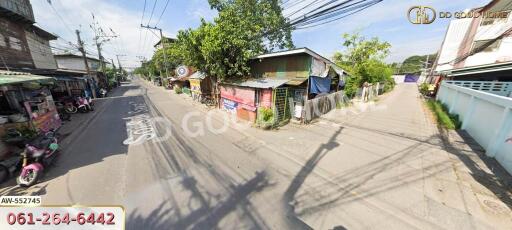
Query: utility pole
pixel 101 37
pixel 163 45
pixel 142 60
pixel 425 72
pixel 118 62
pixel 113 65
pixel 82 50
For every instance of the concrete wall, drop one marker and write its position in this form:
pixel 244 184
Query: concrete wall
pixel 485 116
pixel 41 52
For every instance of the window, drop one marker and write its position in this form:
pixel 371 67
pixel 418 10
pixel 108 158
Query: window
pixel 15 43
pixel 492 18
pixel 486 46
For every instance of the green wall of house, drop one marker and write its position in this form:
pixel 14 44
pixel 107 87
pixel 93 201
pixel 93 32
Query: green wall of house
pixel 289 67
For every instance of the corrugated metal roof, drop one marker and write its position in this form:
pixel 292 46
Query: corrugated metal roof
pixel 198 75
pixel 296 81
pixel 9 77
pixel 264 83
pixel 450 48
pixel 296 51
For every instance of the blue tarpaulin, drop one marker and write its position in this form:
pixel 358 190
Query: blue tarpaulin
pixel 411 78
pixel 318 85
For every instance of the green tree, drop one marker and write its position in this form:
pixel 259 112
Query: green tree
pixel 364 60
pixel 242 30
pixel 172 59
pixel 415 64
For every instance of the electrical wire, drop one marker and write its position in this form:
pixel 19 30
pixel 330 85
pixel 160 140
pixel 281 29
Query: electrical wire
pixel 140 29
pixel 162 14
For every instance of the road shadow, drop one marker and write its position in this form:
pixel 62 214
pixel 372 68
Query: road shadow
pixel 193 204
pixel 302 175
pixel 341 189
pixel 208 215
pixel 460 144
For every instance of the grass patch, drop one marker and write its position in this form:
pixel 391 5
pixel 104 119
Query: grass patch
pixel 444 118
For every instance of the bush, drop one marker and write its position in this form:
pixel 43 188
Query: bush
pixel 265 117
pixel 424 88
pixel 445 119
pixel 178 90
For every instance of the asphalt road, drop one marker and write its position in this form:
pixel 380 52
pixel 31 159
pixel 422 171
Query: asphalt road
pixel 176 181
pixel 173 165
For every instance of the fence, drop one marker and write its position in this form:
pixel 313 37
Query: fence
pixel 317 107
pixel 374 91
pixel 494 87
pixel 487 117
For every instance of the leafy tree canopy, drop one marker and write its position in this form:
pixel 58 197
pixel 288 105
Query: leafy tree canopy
pixel 415 64
pixel 364 60
pixel 242 30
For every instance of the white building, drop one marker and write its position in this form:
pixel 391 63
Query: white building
pixel 479 48
pixel 76 62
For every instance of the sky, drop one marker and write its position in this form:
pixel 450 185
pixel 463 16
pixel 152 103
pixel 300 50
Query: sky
pixel 386 20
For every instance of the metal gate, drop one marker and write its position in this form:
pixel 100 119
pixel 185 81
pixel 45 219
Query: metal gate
pixel 281 108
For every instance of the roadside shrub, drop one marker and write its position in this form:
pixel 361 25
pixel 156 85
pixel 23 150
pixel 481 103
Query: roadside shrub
pixel 424 88
pixel 178 90
pixel 265 117
pixel 444 118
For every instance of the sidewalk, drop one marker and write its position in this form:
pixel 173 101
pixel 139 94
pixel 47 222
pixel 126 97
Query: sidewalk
pixel 386 167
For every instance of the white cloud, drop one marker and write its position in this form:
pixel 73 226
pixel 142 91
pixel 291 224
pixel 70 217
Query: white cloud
pixel 77 14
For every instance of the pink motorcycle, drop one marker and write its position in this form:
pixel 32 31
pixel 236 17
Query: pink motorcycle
pixel 37 155
pixel 84 104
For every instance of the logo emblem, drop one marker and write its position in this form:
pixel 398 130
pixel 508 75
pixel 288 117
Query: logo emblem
pixel 421 15
pixel 182 71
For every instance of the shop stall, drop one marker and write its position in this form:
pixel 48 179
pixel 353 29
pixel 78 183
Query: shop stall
pixel 26 103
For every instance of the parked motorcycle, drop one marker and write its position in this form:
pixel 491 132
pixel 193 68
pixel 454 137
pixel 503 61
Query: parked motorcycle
pixel 63 112
pixel 69 105
pixel 38 154
pixel 83 105
pixel 11 161
pixel 103 93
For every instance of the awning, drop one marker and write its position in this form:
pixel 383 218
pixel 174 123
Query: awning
pixel 264 83
pixel 9 77
pixel 296 81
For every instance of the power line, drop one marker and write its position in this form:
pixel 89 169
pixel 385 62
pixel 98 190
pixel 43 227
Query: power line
pixel 149 21
pixel 140 29
pixel 162 14
pixel 152 11
pixel 335 19
pixel 60 17
pixel 335 13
